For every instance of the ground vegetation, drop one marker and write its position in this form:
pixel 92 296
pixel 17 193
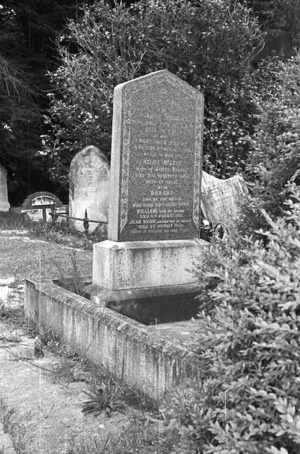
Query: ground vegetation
pixel 246 400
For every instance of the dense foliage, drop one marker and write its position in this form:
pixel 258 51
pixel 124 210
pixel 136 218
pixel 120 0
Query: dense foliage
pixel 247 398
pixel 274 157
pixel 209 44
pixel 278 16
pixel 27 50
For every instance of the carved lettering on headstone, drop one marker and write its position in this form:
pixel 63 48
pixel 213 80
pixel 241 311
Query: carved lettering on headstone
pixel 156 159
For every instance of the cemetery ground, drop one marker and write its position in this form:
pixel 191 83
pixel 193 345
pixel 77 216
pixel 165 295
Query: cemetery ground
pixel 52 400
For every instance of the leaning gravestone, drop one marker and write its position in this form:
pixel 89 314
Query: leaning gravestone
pixel 89 187
pixel 154 217
pixel 4 205
pixel 222 199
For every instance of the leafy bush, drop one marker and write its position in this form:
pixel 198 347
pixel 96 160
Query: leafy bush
pixel 275 154
pixel 249 348
pixel 209 44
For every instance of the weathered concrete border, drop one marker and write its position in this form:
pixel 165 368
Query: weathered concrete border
pixel 125 347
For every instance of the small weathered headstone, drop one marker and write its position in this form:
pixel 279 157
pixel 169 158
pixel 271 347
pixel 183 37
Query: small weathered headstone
pixel 222 199
pixel 4 205
pixel 156 159
pixel 89 187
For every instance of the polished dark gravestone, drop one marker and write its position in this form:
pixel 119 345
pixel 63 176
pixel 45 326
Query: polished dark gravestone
pixel 156 160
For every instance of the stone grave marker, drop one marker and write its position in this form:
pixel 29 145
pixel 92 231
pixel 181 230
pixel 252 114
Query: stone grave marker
pixel 156 159
pixel 154 215
pixel 222 199
pixel 4 205
pixel 38 206
pixel 89 187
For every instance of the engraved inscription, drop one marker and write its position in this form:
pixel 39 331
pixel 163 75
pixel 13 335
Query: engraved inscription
pixel 160 160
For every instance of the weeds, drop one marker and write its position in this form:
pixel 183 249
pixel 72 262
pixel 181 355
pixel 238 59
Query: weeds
pixel 52 341
pixel 75 368
pixel 107 398
pixel 61 233
pixel 11 426
pixel 13 315
pixel 68 370
pixel 71 278
pixel 135 438
pixel 14 220
pixel 5 416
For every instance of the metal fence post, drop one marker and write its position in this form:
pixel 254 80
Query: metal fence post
pixel 86 222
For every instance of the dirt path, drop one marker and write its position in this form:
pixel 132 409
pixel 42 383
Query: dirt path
pixel 41 413
pixel 44 416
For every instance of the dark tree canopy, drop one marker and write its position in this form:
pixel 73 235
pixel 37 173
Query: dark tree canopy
pixel 27 52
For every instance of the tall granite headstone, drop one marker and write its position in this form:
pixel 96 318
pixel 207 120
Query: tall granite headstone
pixel 154 214
pixel 156 159
pixel 4 205
pixel 89 187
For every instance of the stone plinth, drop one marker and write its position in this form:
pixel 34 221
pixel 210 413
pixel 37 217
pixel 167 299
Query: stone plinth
pixel 4 205
pixel 147 280
pixel 145 265
pixel 89 187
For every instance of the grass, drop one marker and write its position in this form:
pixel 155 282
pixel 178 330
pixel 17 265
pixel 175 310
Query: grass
pixel 61 233
pixel 14 220
pixel 136 438
pixel 11 425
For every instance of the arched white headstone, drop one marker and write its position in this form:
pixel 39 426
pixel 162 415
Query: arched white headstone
pixel 89 182
pixel 4 205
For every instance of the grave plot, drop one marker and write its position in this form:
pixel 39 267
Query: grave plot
pixel 143 270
